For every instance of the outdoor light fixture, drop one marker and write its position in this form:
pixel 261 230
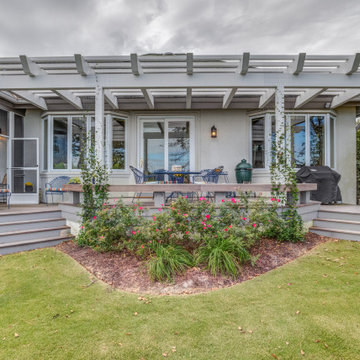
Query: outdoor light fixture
pixel 214 132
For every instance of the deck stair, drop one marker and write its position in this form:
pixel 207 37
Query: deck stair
pixel 339 223
pixel 31 229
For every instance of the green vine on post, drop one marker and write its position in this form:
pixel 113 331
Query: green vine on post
pixel 284 187
pixel 94 179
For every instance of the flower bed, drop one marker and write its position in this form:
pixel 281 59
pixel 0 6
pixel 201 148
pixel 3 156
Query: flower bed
pixel 218 238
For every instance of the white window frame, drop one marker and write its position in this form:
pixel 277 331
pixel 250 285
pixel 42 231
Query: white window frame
pixel 267 129
pixel 166 118
pixel 108 143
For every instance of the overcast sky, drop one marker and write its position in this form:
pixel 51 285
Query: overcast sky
pixel 108 27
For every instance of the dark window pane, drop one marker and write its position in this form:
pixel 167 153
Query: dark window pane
pixel 60 144
pixel 45 144
pixel 179 144
pixel 4 122
pixel 18 126
pixel 317 140
pixel 118 143
pixel 332 142
pixel 258 142
pixel 78 139
pixel 154 145
pixel 298 141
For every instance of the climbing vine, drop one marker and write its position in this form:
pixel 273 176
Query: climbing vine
pixel 358 163
pixel 285 188
pixel 94 180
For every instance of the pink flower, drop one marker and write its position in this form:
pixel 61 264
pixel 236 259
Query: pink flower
pixel 254 225
pixel 169 229
pixel 81 227
pixel 272 199
pixel 209 225
pixel 244 218
pixel 157 229
pixel 204 228
pixel 101 237
pixel 159 209
pixel 222 200
pixel 225 229
pixel 229 226
pixel 133 232
pixel 94 217
pixel 140 208
pixel 185 196
pixel 159 241
pixel 161 204
pixel 278 200
pixel 154 218
pixel 138 231
pixel 187 233
pixel 150 242
pixel 142 246
pixel 207 216
pixel 185 214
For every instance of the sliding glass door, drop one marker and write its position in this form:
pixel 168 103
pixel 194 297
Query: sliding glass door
pixel 166 142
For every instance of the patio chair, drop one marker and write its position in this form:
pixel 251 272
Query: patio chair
pixel 5 191
pixel 141 178
pixel 55 187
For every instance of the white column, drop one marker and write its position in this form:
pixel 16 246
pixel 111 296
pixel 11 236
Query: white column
pixel 99 123
pixel 279 110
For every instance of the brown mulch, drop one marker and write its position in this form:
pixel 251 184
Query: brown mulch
pixel 126 272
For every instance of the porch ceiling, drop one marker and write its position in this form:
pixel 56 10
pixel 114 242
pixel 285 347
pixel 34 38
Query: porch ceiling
pixel 180 81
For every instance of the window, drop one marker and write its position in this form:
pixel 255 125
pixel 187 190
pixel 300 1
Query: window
pixel 118 143
pixel 297 142
pixel 78 139
pixel 60 143
pixel 258 142
pixel 45 144
pixel 317 140
pixel 310 138
pixel 67 139
pixel 4 123
pixel 179 144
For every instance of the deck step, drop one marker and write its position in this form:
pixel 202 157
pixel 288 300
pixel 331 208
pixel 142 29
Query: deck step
pixel 10 248
pixel 12 216
pixel 33 234
pixel 339 215
pixel 337 224
pixel 336 233
pixel 31 224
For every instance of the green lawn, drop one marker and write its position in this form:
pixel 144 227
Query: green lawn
pixel 46 299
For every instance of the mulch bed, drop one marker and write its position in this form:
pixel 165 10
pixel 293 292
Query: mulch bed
pixel 126 272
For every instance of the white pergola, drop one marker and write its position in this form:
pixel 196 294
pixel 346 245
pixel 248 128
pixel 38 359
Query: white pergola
pixel 179 78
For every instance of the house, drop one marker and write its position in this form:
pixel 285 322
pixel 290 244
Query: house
pixel 157 110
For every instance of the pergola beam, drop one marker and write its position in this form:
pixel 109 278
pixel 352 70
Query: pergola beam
pixel 70 98
pixel 82 66
pixel 178 81
pixel 188 98
pixel 148 98
pixel 32 99
pixel 228 97
pixel 350 66
pixel 266 98
pixel 296 67
pixel 307 96
pixel 30 68
pixel 111 99
pixel 346 96
pixel 244 63
pixel 189 63
pixel 135 65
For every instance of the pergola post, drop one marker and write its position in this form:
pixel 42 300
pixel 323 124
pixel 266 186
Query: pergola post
pixel 99 123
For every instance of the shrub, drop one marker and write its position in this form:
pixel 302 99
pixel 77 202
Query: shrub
pixel 111 227
pixel 222 254
pixel 167 261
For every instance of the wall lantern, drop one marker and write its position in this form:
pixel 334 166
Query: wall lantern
pixel 214 132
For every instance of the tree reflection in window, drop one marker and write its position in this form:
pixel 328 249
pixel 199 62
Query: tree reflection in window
pixel 317 140
pixel 298 141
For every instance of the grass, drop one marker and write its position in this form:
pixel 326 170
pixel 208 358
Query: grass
pixel 58 313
